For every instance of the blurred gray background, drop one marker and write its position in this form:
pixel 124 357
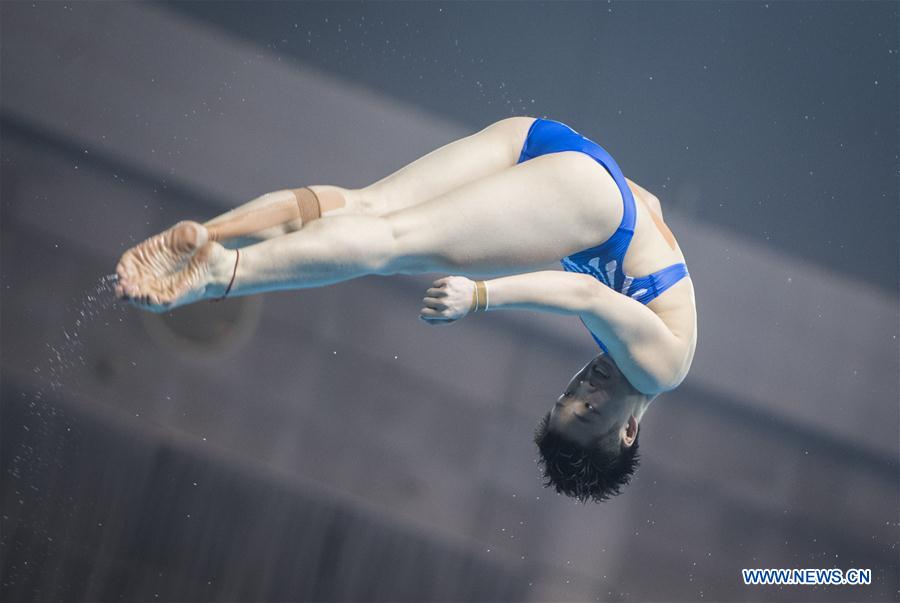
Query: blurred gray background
pixel 325 445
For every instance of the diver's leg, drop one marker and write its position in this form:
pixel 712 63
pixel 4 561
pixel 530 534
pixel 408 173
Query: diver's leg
pixel 525 216
pixel 488 151
pixel 169 254
pixel 491 149
pixel 459 162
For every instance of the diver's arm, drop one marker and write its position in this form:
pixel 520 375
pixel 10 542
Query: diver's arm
pixel 452 297
pixel 653 357
pixel 545 291
pixel 644 348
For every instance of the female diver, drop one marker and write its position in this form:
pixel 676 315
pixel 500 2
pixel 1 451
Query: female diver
pixel 507 200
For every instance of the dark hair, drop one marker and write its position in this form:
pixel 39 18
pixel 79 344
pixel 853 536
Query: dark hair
pixel 595 473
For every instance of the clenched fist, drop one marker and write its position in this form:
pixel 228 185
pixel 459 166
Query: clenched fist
pixel 448 300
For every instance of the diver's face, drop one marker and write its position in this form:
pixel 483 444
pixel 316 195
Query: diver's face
pixel 598 401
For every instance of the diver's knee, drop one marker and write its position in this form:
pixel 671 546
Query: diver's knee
pixel 405 250
pixel 513 124
pixel 377 246
pixel 511 132
pixel 366 201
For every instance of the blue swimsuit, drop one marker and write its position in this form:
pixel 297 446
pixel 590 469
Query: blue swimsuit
pixel 604 261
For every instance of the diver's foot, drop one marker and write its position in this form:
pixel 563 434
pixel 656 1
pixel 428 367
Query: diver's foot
pixel 170 269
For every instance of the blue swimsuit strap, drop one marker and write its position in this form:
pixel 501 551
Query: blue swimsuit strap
pixel 647 288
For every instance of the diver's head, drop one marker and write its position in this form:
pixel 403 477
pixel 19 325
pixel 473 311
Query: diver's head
pixel 588 441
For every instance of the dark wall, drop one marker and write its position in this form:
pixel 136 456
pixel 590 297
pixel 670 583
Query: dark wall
pixel 93 513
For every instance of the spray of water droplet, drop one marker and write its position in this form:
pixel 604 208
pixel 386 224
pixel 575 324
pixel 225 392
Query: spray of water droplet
pixel 47 431
pixel 66 354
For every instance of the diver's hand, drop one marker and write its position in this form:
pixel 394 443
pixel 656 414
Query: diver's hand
pixel 173 268
pixel 448 300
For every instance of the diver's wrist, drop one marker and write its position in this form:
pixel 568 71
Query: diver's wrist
pixel 481 299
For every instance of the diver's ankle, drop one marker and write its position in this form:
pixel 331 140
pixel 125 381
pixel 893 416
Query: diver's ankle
pixel 222 270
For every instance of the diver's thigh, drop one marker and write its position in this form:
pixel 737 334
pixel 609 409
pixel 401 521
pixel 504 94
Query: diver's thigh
pixel 524 216
pixel 488 151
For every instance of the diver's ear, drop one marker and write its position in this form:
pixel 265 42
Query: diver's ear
pixel 631 429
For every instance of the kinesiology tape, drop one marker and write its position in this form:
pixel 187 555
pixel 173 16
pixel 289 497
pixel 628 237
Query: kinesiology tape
pixel 315 203
pixel 286 206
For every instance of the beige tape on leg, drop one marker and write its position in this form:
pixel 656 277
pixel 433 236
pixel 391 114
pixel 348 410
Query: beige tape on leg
pixel 313 203
pixel 308 203
pixel 330 198
pixel 275 209
pixel 278 209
